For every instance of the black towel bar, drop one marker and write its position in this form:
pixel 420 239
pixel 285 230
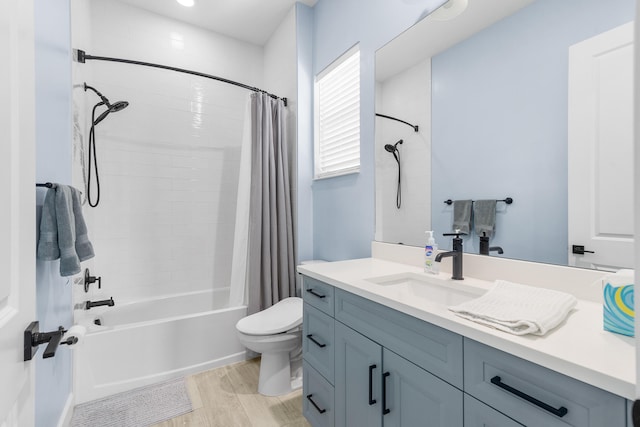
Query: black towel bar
pixel 508 201
pixel 46 184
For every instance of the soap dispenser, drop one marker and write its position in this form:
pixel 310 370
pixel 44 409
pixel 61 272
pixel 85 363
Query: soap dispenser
pixel 430 252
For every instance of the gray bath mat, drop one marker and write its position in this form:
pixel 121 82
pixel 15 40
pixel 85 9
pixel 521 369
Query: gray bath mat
pixel 143 406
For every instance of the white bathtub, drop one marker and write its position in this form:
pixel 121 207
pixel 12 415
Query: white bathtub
pixel 144 342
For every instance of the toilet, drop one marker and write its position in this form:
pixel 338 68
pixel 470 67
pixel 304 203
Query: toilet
pixel 276 333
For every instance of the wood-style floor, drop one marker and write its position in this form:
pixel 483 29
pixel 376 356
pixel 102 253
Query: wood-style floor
pixel 228 397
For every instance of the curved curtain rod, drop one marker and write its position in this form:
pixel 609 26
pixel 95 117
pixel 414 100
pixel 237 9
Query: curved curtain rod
pixel 81 56
pixel 415 127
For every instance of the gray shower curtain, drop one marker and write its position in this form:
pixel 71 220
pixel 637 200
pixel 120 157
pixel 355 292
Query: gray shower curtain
pixel 271 252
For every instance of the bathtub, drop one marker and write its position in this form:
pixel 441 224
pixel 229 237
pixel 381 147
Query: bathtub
pixel 143 342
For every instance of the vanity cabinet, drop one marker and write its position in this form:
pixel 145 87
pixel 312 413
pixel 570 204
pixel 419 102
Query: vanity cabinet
pixel 376 387
pixel 366 364
pixel 534 395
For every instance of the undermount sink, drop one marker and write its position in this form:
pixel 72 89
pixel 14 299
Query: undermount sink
pixel 413 286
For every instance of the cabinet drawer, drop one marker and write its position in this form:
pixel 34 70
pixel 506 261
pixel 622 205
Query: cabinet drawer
pixel 318 341
pixel 432 348
pixel 317 398
pixel 477 414
pixel 318 294
pixel 534 395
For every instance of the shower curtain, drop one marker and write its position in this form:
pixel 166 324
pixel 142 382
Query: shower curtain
pixel 263 266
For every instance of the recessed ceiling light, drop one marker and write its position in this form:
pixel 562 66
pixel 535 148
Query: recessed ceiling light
pixel 186 3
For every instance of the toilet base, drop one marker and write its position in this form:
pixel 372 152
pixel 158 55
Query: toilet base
pixel 276 374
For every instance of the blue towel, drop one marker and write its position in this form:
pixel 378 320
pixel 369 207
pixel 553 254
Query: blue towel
pixel 461 216
pixel 63 232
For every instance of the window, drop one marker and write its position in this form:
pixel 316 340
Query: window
pixel 337 117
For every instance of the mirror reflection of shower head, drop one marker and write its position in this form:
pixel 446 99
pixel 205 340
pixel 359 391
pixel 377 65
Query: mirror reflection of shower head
pixel 392 148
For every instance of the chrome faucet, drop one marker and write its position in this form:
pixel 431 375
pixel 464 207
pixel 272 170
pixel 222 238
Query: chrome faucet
pixel 456 254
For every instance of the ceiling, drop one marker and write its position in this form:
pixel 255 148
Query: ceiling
pixel 252 21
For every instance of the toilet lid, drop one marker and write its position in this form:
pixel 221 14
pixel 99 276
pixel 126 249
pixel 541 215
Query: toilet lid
pixel 281 317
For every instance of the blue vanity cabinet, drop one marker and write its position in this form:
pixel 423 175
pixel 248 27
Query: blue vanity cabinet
pixel 358 373
pixel 414 397
pixel 318 352
pixel 317 397
pixel 375 387
pixel 536 396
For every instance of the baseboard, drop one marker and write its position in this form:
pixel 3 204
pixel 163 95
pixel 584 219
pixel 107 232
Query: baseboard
pixel 67 412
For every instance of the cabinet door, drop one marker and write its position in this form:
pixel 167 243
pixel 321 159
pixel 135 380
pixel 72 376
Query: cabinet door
pixel 413 397
pixel 358 369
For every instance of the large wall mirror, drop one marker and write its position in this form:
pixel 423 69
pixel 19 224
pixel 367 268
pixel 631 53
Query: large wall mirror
pixel 524 99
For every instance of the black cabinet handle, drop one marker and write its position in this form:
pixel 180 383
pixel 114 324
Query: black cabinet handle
pixel 560 412
pixel 372 401
pixel 314 293
pixel 322 411
pixel 385 410
pixel 310 336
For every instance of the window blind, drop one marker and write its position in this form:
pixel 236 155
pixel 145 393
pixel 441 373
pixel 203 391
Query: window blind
pixel 337 117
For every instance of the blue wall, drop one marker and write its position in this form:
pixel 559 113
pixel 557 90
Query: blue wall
pixel 343 207
pixel 53 163
pixel 304 46
pixel 500 123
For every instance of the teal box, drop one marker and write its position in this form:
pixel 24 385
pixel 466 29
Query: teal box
pixel 619 314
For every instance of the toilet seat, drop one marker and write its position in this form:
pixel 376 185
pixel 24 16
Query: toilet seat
pixel 280 317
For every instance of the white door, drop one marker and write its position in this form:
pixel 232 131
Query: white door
pixel 17 210
pixel 601 150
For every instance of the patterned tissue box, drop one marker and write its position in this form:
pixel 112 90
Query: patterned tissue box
pixel 618 308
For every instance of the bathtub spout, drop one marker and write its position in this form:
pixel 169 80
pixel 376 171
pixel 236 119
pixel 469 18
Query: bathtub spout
pixel 91 304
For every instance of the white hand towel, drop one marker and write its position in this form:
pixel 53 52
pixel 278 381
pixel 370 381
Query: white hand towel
pixel 518 309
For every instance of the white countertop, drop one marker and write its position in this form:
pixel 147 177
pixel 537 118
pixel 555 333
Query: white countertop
pixel 579 347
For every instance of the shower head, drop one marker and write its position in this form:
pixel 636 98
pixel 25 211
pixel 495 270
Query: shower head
pixel 117 106
pixel 392 148
pixel 111 108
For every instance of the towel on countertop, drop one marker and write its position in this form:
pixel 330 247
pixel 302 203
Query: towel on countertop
pixel 518 309
pixel 63 232
pixel 484 217
pixel 462 216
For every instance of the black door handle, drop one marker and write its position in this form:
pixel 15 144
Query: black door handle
pixel 372 401
pixel 385 410
pixel 322 411
pixel 559 412
pixel 310 336
pixel 314 293
pixel 579 250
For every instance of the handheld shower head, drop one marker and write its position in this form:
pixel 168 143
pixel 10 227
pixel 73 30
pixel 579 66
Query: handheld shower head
pixel 111 108
pixel 392 148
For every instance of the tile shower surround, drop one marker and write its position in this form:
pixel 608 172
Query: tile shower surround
pixel 169 162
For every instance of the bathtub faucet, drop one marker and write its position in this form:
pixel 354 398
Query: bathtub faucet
pixel 91 304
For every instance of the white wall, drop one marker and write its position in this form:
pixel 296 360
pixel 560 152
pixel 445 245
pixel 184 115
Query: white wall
pixel 405 96
pixel 168 163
